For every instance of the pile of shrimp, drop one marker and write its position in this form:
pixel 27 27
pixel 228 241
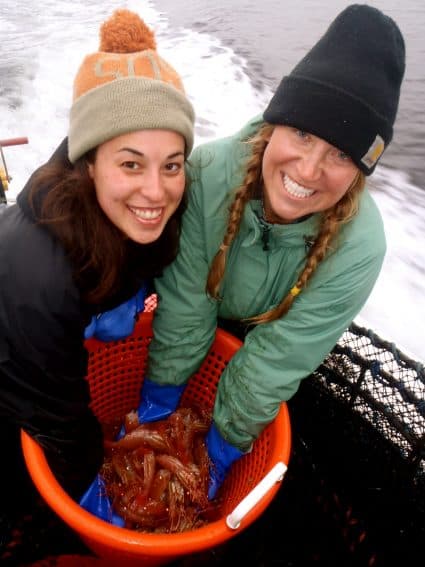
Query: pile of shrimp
pixel 157 474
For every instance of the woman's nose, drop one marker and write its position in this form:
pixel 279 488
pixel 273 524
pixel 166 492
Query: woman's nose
pixel 152 185
pixel 310 165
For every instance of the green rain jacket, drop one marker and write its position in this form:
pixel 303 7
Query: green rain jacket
pixel 275 356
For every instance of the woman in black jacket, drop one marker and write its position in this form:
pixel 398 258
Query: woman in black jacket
pixel 88 233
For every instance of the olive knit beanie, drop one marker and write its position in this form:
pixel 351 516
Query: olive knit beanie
pixel 346 89
pixel 124 87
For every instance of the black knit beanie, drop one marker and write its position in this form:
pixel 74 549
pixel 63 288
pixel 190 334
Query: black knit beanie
pixel 346 89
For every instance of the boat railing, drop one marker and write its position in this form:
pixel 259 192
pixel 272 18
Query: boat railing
pixel 5 177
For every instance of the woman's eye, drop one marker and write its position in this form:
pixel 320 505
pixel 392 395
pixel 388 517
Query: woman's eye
pixel 302 134
pixel 342 156
pixel 130 165
pixel 173 167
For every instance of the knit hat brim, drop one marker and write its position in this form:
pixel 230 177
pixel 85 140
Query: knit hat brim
pixel 127 105
pixel 305 104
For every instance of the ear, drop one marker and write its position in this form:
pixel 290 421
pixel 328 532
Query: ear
pixel 268 133
pixel 90 169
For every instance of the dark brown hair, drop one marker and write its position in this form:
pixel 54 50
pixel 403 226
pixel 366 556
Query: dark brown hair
pixel 251 188
pixel 63 198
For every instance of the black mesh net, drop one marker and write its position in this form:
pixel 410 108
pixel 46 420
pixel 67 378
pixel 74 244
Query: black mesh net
pixel 382 385
pixel 359 441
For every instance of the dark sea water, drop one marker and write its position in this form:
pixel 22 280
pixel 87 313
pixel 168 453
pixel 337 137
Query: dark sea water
pixel 231 55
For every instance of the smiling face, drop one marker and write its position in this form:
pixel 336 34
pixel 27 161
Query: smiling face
pixel 303 174
pixel 139 179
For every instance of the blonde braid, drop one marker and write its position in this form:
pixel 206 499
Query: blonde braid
pixel 247 191
pixel 330 225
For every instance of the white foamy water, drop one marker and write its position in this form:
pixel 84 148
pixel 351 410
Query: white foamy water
pixel 42 50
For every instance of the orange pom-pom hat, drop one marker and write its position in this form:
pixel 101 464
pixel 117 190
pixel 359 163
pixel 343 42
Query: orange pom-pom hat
pixel 124 87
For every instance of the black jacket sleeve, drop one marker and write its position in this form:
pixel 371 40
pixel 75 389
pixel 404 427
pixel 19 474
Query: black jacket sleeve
pixel 43 362
pixel 57 417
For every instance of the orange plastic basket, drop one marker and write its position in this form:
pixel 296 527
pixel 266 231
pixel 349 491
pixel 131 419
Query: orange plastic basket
pixel 115 373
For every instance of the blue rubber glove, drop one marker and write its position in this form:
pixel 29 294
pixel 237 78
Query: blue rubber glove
pixel 95 501
pixel 158 401
pixel 222 455
pixel 119 322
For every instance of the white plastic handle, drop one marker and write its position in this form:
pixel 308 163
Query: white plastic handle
pixel 276 474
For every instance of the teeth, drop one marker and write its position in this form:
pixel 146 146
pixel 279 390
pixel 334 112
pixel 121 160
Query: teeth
pixel 296 190
pixel 147 214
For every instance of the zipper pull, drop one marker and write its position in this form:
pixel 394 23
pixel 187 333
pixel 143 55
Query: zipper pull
pixel 265 230
pixel 265 236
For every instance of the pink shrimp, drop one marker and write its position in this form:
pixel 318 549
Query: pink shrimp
pixel 157 474
pixel 140 436
pixel 188 476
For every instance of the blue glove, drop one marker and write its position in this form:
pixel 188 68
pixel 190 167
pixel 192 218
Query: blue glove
pixel 119 322
pixel 158 401
pixel 95 501
pixel 222 455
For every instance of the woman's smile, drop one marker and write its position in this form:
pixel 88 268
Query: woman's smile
pixel 147 214
pixel 295 189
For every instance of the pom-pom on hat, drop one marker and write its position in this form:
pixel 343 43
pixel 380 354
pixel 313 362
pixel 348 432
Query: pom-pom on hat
pixel 346 89
pixel 124 87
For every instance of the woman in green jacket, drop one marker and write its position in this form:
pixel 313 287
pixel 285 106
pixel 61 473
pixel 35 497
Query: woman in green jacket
pixel 280 235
